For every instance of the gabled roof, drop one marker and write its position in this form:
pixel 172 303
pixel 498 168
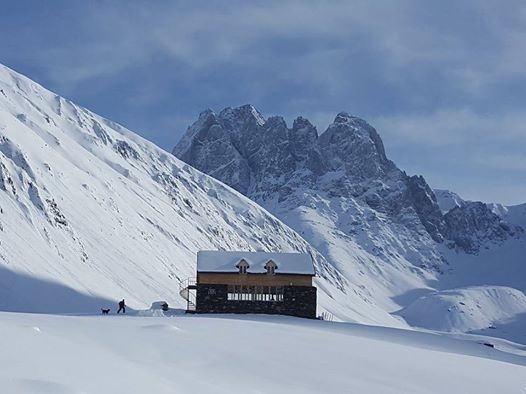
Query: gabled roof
pixel 287 263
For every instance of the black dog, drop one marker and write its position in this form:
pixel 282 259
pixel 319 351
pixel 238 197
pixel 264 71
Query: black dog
pixel 105 311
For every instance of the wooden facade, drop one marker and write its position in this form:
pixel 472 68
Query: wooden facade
pixel 215 278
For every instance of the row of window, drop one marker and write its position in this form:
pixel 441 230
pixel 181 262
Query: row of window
pixel 255 293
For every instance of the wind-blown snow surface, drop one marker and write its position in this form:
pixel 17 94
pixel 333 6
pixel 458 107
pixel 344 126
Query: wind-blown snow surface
pixel 120 354
pixel 90 212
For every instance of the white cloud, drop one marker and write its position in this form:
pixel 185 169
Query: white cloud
pixel 401 37
pixel 430 76
pixel 446 127
pixel 507 162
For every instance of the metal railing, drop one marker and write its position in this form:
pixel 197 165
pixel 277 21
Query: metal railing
pixel 186 294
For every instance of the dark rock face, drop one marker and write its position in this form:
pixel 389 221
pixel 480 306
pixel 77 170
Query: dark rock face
pixel 267 161
pixel 210 144
pixel 353 144
pixel 473 224
pixel 420 195
pixel 264 158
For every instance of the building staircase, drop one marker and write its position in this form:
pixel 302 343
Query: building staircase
pixel 185 291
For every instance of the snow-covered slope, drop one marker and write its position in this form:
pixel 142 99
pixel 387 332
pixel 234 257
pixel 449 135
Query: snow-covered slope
pixel 91 212
pixel 385 231
pixel 447 200
pixel 109 354
pixel 467 309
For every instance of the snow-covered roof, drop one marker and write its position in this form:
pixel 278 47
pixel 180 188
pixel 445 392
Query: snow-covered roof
pixel 287 263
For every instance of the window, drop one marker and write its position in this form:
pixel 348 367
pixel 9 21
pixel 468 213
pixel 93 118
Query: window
pixel 271 267
pixel 255 293
pixel 243 266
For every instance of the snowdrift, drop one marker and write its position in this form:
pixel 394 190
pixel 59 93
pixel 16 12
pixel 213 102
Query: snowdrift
pixel 466 309
pixel 122 354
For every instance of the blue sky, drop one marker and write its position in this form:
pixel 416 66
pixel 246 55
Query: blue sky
pixel 444 82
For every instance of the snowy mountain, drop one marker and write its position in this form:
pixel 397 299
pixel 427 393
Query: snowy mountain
pixel 384 230
pixel 472 224
pixel 91 213
pixel 514 214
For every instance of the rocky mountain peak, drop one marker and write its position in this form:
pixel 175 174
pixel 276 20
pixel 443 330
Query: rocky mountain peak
pixel 302 123
pixel 342 117
pixel 303 135
pixel 447 200
pixel 275 122
pixel 246 114
pixel 353 144
pixel 206 114
pixel 266 160
pixel 260 157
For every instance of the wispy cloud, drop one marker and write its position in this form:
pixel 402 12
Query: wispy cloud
pixel 446 127
pixel 431 76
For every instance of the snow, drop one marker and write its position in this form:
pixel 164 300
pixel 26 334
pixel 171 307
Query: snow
pixel 447 200
pixel 91 213
pixel 467 309
pixel 226 261
pixel 372 259
pixel 253 354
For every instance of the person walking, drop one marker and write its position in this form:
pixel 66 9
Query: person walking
pixel 122 306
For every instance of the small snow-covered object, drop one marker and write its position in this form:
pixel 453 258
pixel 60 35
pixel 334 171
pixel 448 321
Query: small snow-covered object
pixel 163 305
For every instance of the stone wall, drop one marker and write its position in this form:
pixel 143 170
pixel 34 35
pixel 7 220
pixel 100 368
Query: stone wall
pixel 297 301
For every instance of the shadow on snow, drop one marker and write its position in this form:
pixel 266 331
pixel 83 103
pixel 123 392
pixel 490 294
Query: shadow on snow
pixel 20 292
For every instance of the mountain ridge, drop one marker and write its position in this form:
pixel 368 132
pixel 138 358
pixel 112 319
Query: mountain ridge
pixel 243 131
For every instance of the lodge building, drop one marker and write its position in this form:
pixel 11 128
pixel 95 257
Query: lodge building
pixel 253 282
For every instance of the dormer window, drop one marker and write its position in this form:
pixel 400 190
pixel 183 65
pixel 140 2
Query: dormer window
pixel 243 266
pixel 271 267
